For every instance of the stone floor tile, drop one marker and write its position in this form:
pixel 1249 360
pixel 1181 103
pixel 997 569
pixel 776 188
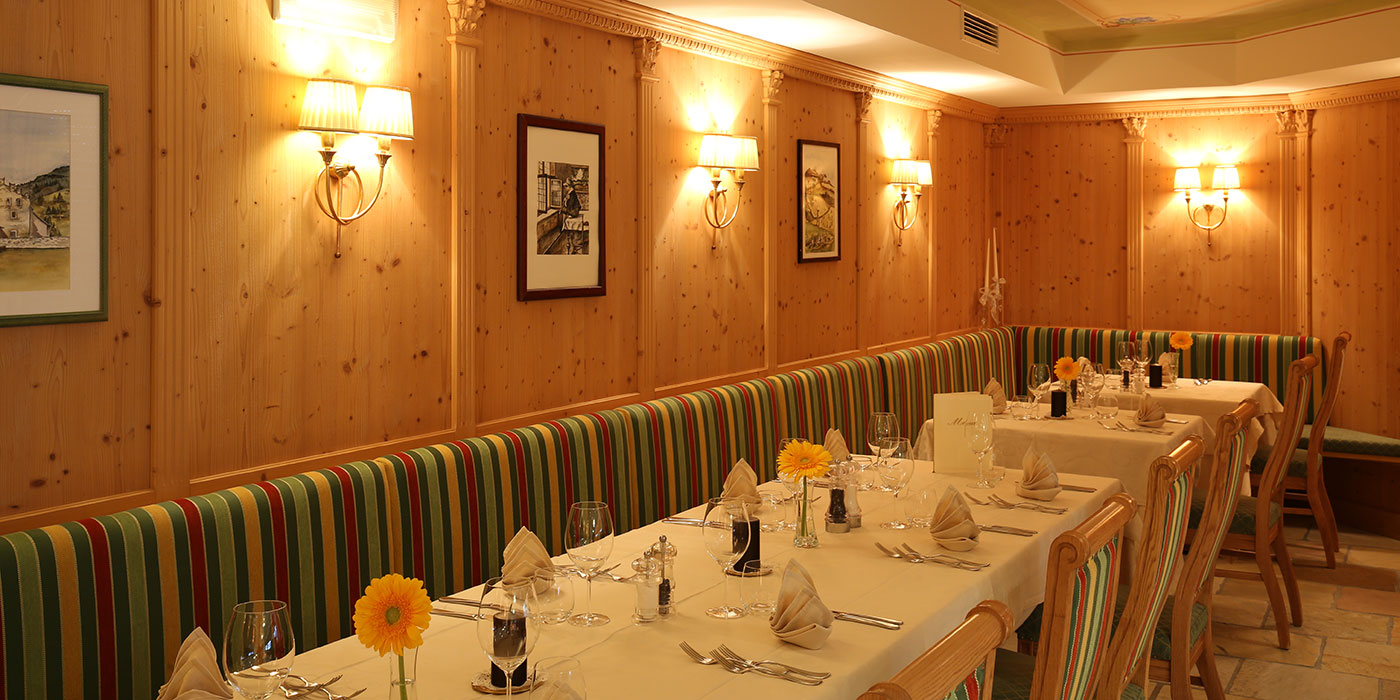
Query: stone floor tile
pixel 1245 612
pixel 1362 658
pixel 1390 690
pixel 1353 573
pixel 1262 644
pixel 1361 538
pixel 1395 633
pixel 1376 558
pixel 1338 624
pixel 1369 601
pixel 1313 593
pixel 1272 681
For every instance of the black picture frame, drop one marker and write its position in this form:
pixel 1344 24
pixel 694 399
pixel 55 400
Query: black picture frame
pixel 818 210
pixel 560 209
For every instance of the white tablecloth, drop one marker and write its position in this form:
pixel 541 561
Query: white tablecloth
pixel 627 660
pixel 1210 402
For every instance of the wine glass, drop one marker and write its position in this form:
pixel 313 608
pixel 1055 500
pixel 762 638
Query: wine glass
pixel 259 648
pixel 895 472
pixel 1038 381
pixel 726 539
pixel 589 541
pixel 554 596
pixel 559 678
pixel 880 425
pixel 978 429
pixel 1144 354
pixel 507 629
pixel 1127 349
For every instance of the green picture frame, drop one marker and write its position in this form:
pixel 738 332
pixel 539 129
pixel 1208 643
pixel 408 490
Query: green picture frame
pixel 53 201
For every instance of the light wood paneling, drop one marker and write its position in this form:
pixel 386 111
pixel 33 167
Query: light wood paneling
pixel 962 205
pixel 816 301
pixel 709 300
pixel 544 354
pixel 894 287
pixel 1064 249
pixel 1188 285
pixel 79 395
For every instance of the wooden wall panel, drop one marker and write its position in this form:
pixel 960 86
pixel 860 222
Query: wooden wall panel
pixel 79 395
pixel 553 353
pixel 1188 285
pixel 1064 250
pixel 895 292
pixel 709 300
pixel 959 175
pixel 1356 255
pixel 817 301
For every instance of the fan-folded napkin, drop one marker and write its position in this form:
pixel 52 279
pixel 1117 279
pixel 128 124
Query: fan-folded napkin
pixel 524 556
pixel 1150 413
pixel 800 617
pixel 1038 477
pixel 742 483
pixel 953 527
pixel 196 673
pixel 998 394
pixel 835 443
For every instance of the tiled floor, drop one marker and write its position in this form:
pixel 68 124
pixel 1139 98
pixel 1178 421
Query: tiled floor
pixel 1349 645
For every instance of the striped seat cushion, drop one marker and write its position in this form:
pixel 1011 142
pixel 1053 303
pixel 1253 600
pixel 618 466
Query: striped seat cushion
pixel 961 363
pixel 1235 356
pixel 1353 442
pixel 840 395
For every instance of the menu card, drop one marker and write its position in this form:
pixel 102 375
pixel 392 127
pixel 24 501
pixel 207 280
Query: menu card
pixel 951 453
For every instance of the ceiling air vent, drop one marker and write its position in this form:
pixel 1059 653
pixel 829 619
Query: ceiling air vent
pixel 979 30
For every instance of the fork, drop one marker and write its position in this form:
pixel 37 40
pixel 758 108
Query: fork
pixel 726 651
pixel 296 693
pixel 1133 429
pixel 1003 503
pixel 919 559
pixel 306 684
pixel 965 562
pixel 735 667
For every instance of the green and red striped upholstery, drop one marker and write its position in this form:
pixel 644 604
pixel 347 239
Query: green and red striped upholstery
pixel 840 395
pixel 961 363
pixel 973 687
pixel 1159 563
pixel 1226 501
pixel 1235 356
pixel 1090 620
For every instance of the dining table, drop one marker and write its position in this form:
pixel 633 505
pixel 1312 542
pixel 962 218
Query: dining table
pixel 627 659
pixel 1210 399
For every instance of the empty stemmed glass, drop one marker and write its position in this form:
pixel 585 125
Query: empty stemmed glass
pixel 895 472
pixel 1127 350
pixel 1037 383
pixel 589 541
pixel 507 630
pixel 1144 354
pixel 979 438
pixel 880 425
pixel 259 648
pixel 726 544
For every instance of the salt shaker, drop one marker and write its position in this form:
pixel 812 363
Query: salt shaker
pixel 648 584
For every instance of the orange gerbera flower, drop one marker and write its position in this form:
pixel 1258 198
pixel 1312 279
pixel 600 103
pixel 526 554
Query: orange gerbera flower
pixel 392 614
pixel 1181 340
pixel 803 459
pixel 1067 369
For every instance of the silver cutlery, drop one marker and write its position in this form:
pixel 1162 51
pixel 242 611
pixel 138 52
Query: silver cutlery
pixel 469 601
pixel 1202 381
pixel 967 562
pixel 865 621
pixel 296 693
pixel 877 618
pixel 1177 421
pixel 918 559
pixel 1024 505
pixel 1076 489
pixel 458 615
pixel 1006 530
pixel 695 522
pixel 735 667
pixel 726 651
pixel 1140 429
pixel 308 684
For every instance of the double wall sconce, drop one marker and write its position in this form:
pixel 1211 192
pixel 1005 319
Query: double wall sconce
pixel 1224 179
pixel 910 177
pixel 738 155
pixel 330 109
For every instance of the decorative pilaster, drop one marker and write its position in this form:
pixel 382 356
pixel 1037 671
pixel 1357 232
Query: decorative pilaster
pixel 930 223
pixel 1295 220
pixel 994 143
pixel 464 16
pixel 772 94
pixel 866 159
pixel 1135 129
pixel 646 50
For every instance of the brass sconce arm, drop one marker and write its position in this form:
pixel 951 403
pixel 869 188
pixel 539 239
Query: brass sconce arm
pixel 718 212
pixel 904 219
pixel 1203 216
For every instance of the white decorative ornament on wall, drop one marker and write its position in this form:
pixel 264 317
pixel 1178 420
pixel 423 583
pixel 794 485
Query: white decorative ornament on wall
pixel 366 19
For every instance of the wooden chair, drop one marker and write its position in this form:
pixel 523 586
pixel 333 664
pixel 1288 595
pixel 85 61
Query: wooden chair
pixel 1256 525
pixel 1182 638
pixel 1080 587
pixel 1170 481
pixel 959 666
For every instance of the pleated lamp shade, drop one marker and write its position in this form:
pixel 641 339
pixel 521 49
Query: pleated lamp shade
pixel 728 152
pixel 1188 179
pixel 329 105
pixel 387 112
pixel 912 172
pixel 1226 177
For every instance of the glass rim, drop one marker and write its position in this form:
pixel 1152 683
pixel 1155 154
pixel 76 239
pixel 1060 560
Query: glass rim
pixel 552 662
pixel 589 504
pixel 253 607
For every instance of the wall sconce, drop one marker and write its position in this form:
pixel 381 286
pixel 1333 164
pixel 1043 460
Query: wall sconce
pixel 329 109
pixel 1225 178
pixel 738 155
pixel 911 177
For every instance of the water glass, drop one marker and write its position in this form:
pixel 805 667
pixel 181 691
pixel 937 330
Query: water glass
pixel 554 596
pixel 259 648
pixel 758 589
pixel 919 506
pixel 1020 407
pixel 774 512
pixel 559 678
pixel 1107 407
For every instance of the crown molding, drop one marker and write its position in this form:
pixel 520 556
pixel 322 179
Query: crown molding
pixel 1344 95
pixel 633 20
pixel 1151 109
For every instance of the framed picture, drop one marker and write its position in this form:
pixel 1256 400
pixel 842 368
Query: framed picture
pixel 53 201
pixel 819 201
pixel 560 247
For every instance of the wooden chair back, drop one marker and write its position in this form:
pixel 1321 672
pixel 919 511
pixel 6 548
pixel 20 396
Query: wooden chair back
pixel 960 666
pixel 1290 429
pixel 1223 495
pixel 1080 588
pixel 1329 397
pixel 1171 479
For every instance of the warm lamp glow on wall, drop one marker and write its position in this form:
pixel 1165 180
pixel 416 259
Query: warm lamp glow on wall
pixel 910 177
pixel 718 153
pixel 1224 179
pixel 329 109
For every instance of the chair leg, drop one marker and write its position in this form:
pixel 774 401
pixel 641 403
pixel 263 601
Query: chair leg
pixel 1290 578
pixel 1326 519
pixel 1265 563
pixel 1210 673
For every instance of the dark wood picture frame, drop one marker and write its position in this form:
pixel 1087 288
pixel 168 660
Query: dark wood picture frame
pixel 803 256
pixel 530 197
pixel 87 218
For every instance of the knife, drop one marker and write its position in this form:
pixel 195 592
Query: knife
pixel 1077 489
pixel 866 621
pixel 857 617
pixel 696 522
pixel 1007 530
pixel 460 616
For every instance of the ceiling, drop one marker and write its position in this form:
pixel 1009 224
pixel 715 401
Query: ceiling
pixel 1071 51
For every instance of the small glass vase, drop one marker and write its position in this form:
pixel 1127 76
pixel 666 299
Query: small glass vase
pixel 806 535
pixel 403 672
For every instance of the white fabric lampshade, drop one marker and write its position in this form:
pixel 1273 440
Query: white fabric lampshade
pixel 912 172
pixel 1188 178
pixel 329 105
pixel 728 152
pixel 387 112
pixel 1226 177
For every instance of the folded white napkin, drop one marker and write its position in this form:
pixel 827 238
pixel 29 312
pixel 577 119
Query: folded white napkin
pixel 923 445
pixel 524 555
pixel 953 527
pixel 1038 477
pixel 742 483
pixel 998 394
pixel 196 673
pixel 835 443
pixel 800 617
pixel 1150 413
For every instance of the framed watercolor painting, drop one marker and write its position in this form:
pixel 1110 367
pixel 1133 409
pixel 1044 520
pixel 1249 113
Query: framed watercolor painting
pixel 561 189
pixel 53 201
pixel 819 201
